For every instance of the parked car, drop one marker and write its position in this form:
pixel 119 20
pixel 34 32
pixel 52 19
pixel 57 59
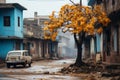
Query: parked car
pixel 18 57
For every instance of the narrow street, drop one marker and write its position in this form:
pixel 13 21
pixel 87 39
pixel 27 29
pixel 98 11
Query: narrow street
pixel 40 70
pixel 54 32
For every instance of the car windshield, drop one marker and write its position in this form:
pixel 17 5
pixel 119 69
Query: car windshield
pixel 14 54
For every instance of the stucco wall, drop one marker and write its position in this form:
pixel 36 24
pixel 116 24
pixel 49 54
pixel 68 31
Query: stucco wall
pixel 18 29
pixel 13 29
pixel 5 46
pixel 9 30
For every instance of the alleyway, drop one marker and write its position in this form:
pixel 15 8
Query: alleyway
pixel 40 70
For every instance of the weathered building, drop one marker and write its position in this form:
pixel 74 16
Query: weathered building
pixel 110 38
pixel 64 46
pixel 11 28
pixel 34 40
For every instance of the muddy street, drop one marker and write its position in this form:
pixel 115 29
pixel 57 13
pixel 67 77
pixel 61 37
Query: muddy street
pixel 40 70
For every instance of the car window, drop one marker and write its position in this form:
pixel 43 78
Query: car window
pixel 25 54
pixel 14 54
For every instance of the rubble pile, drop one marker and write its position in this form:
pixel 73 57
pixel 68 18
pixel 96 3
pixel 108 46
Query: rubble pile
pixel 96 71
pixel 83 69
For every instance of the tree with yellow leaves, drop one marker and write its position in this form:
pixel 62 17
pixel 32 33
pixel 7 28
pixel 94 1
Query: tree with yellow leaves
pixel 80 20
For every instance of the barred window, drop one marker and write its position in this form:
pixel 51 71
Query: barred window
pixel 6 20
pixel 18 21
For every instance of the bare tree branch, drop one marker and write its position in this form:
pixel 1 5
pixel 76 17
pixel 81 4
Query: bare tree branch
pixel 72 2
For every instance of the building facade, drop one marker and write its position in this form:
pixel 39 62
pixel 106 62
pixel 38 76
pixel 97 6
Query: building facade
pixel 11 27
pixel 34 38
pixel 110 38
pixel 64 46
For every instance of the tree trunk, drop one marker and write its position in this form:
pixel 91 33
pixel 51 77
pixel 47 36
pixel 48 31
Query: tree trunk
pixel 79 61
pixel 79 43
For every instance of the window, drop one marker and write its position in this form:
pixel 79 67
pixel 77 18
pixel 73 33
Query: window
pixel 25 53
pixel 18 21
pixel 6 20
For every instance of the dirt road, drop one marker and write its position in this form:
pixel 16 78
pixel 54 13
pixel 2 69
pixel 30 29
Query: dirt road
pixel 40 70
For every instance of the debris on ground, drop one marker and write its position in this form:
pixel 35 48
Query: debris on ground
pixel 95 71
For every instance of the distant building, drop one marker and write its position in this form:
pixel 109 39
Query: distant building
pixel 34 36
pixel 66 45
pixel 11 27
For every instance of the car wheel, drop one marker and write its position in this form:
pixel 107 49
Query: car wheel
pixel 24 65
pixel 29 64
pixel 8 65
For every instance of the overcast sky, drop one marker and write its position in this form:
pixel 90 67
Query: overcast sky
pixel 43 7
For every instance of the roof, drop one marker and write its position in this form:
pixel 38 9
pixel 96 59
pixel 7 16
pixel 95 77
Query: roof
pixel 12 5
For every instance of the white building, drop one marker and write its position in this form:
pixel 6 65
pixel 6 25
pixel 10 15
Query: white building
pixel 66 45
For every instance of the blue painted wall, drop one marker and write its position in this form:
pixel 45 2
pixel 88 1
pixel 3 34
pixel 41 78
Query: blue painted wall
pixel 18 29
pixel 13 29
pixel 10 31
pixel 5 46
pixel 115 39
pixel 7 31
pixel 98 42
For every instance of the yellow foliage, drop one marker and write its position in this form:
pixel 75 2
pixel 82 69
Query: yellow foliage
pixel 53 37
pixel 46 23
pixel 100 30
pixel 76 19
pixel 45 28
pixel 46 37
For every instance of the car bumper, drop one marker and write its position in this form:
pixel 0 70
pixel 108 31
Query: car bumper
pixel 15 62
